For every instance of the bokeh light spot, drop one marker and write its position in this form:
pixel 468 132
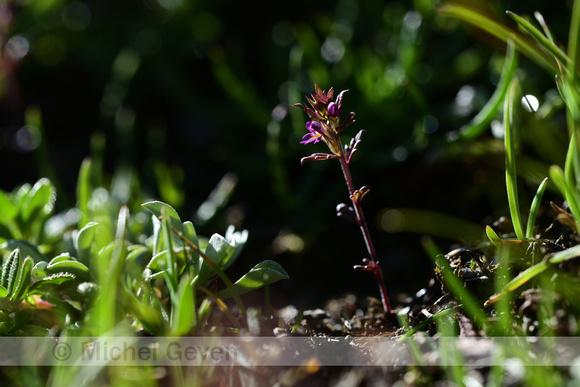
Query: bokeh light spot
pixel 279 112
pixel 464 100
pixel 530 103
pixel 17 47
pixel 392 220
pixel 413 20
pixel 400 153
pixel 430 124
pixel 27 139
pixel 332 50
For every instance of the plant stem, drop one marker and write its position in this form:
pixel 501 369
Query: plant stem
pixel 373 266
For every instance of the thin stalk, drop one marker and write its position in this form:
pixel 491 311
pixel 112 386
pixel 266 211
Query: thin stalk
pixel 374 267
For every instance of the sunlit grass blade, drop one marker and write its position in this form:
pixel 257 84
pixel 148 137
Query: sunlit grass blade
pixel 543 41
pixel 492 235
pixel 524 44
pixel 574 39
pixel 534 208
pixel 510 162
pixel 535 270
pixel 411 331
pixel 84 191
pixel 569 164
pixel 482 120
pixel 540 18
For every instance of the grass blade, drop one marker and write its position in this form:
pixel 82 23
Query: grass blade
pixel 523 43
pixel 510 162
pixel 543 41
pixel 573 39
pixel 482 120
pixel 535 207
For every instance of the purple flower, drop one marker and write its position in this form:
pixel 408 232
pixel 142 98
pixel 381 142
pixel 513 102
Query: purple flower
pixel 315 135
pixel 333 109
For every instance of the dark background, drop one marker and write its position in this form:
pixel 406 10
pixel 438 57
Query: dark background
pixel 208 76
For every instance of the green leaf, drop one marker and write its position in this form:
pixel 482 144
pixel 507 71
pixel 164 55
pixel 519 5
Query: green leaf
pixel 69 266
pixel 524 44
pixel 150 317
pixel 61 257
pixel 10 270
pixel 158 208
pixel 535 207
pixel 3 292
pixel 493 237
pixel 218 251
pixel 543 41
pixel 157 265
pixel 84 190
pixel 237 239
pixel 53 281
pixel 39 270
pixel 7 208
pixel 183 312
pixel 533 271
pixel 39 201
pixel 22 280
pixel 264 273
pixel 138 252
pixel 191 235
pixel 486 115
pixel 510 162
pixel 84 241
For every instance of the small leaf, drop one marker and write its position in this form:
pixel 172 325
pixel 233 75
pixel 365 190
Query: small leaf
pixel 22 282
pixel 69 266
pixel 218 249
pixel 183 313
pixel 60 258
pixel 543 41
pixel 158 208
pixel 351 148
pixel 3 292
pixel 535 207
pixel 84 241
pixel 51 282
pixel 84 189
pixel 10 269
pixel 359 194
pixel 493 237
pixel 39 201
pixel 237 239
pixel 318 157
pixel 39 270
pixel 7 208
pixel 262 274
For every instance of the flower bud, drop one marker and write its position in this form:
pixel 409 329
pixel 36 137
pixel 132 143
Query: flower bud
pixel 334 109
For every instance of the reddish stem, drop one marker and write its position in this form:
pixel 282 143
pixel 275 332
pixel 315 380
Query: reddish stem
pixel 373 264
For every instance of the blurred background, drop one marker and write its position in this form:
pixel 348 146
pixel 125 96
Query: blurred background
pixel 190 102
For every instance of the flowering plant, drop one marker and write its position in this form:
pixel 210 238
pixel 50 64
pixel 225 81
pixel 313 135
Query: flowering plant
pixel 325 125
